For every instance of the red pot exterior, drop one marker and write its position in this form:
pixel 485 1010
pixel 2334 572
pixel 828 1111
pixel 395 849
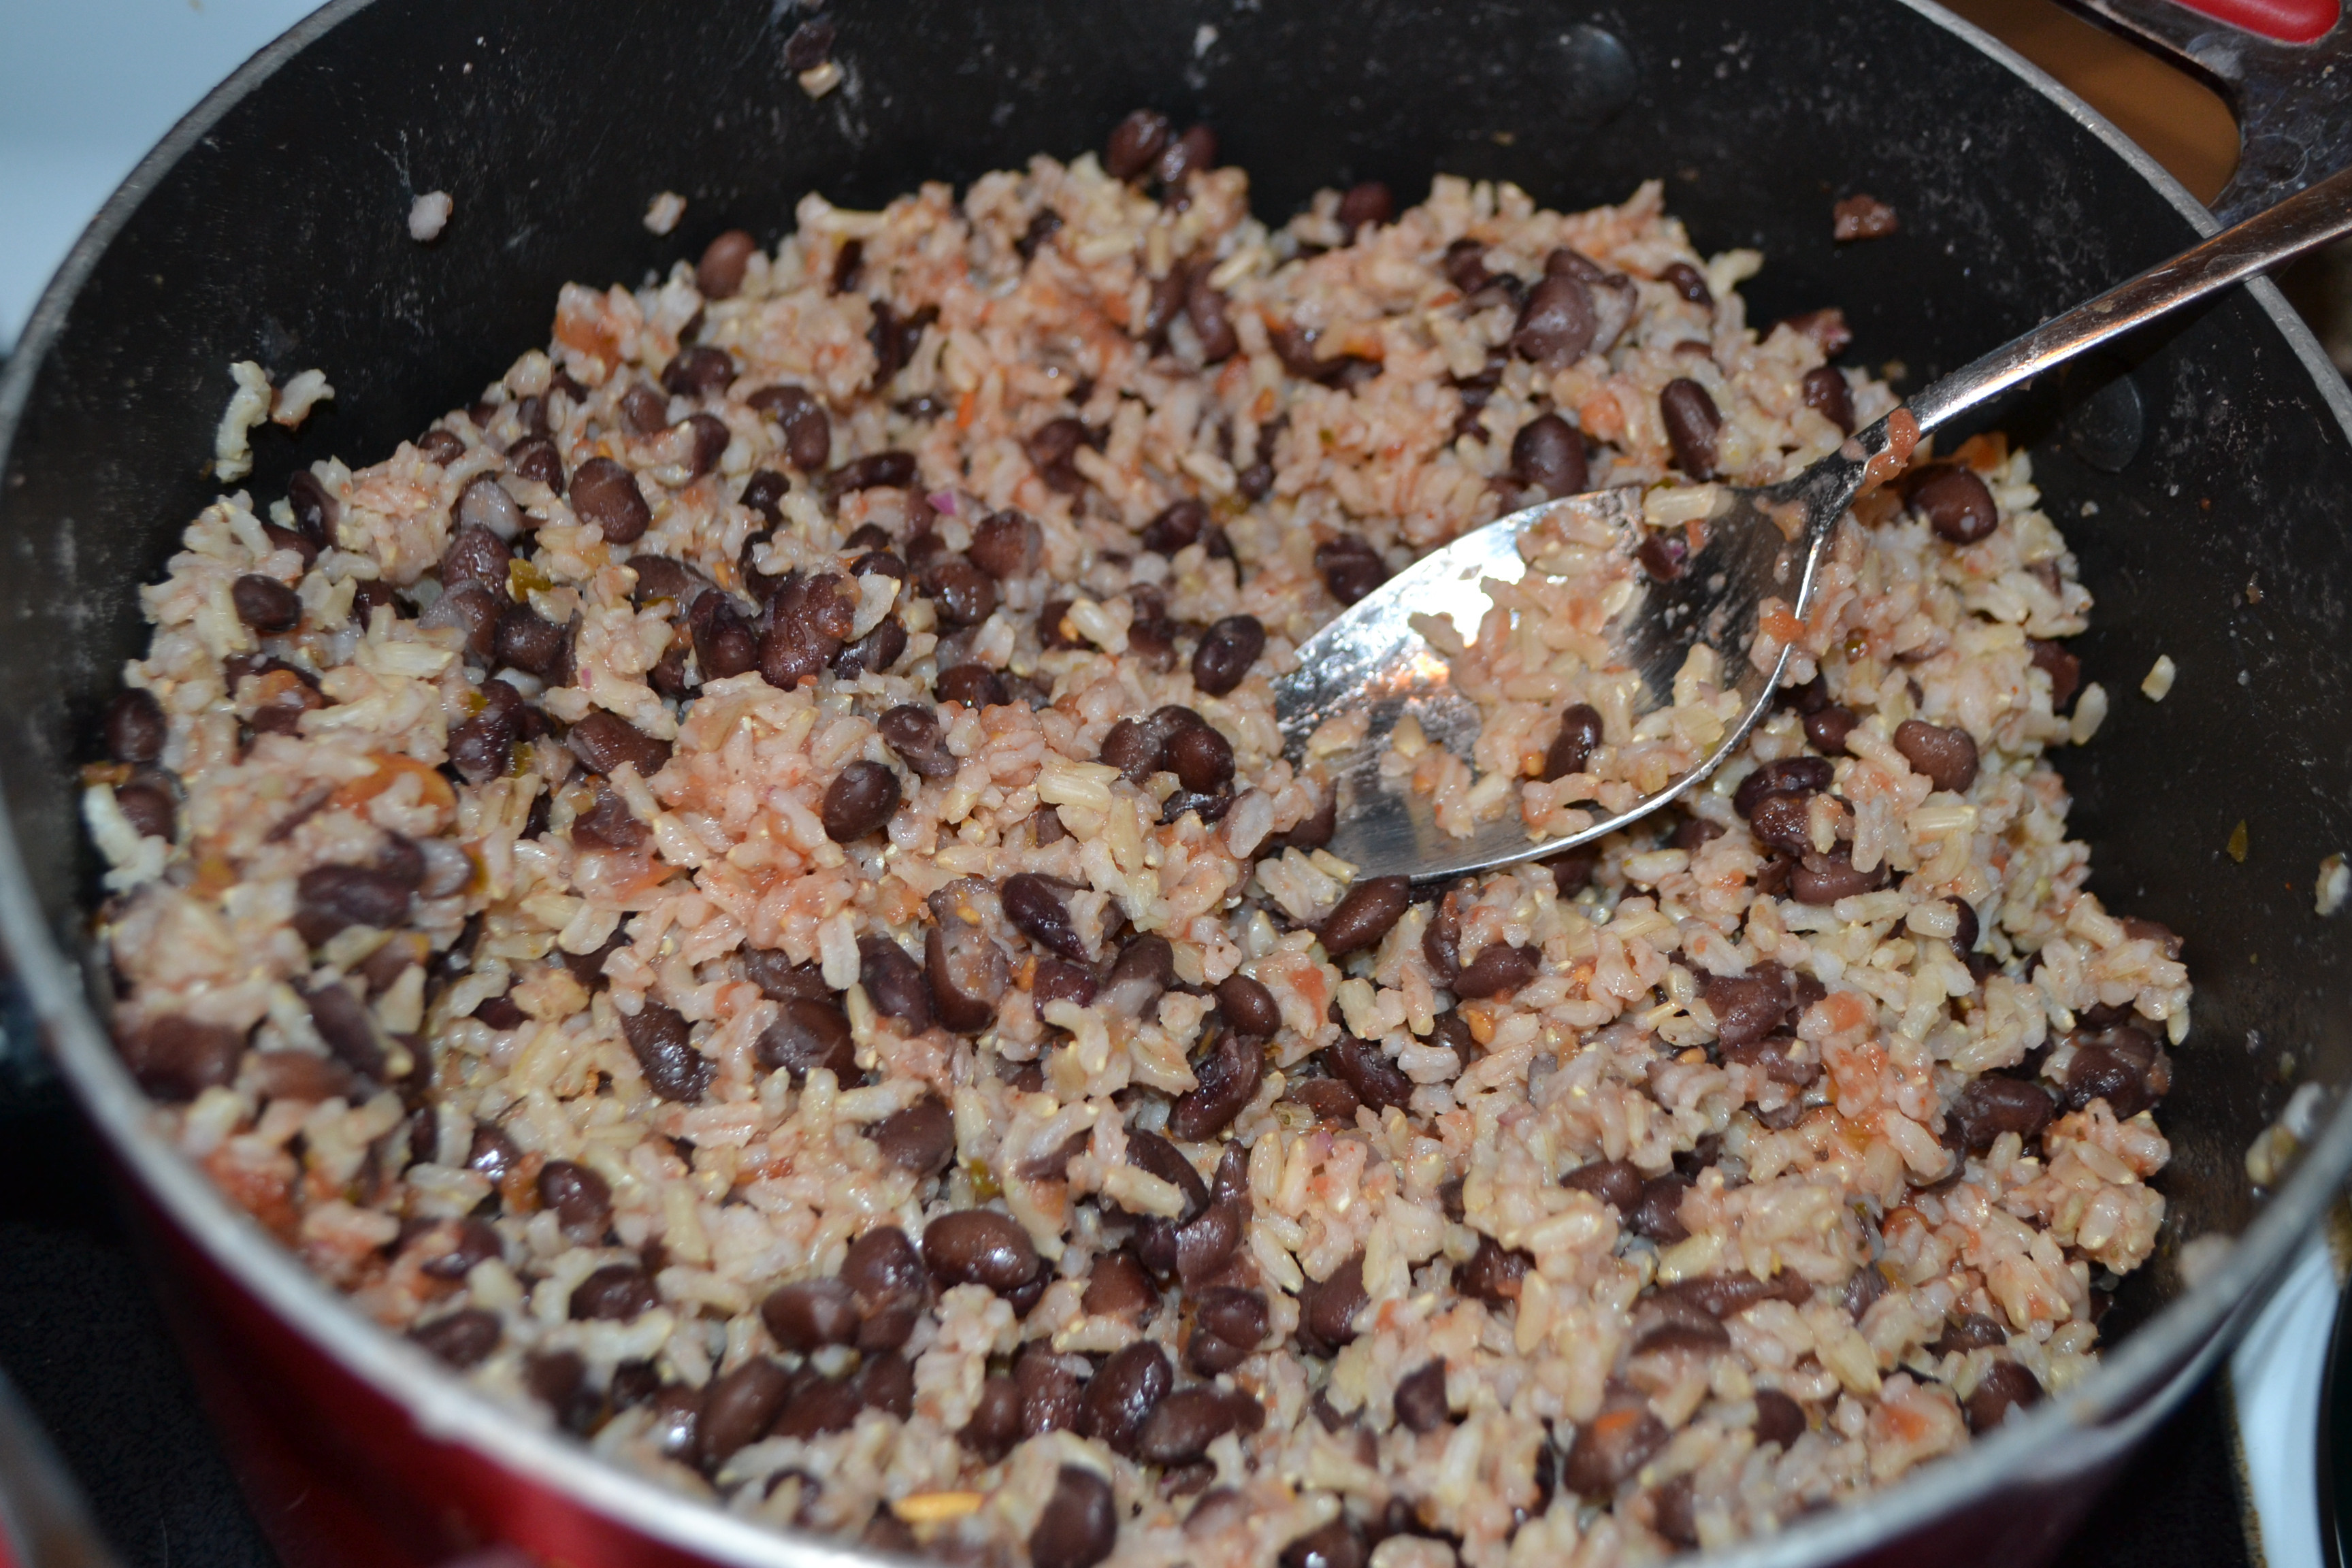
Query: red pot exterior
pixel 340 1477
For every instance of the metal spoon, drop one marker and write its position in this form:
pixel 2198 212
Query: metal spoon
pixel 1762 544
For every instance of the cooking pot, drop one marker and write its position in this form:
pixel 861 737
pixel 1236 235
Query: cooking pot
pixel 2199 474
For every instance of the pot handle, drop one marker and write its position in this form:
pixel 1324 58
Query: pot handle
pixel 2283 66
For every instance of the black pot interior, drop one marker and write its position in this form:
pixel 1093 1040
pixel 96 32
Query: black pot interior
pixel 281 235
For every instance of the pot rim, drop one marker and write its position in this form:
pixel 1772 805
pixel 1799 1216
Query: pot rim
pixel 2136 1384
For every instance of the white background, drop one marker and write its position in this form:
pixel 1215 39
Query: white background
pixel 86 88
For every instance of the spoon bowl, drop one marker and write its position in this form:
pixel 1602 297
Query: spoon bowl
pixel 1758 548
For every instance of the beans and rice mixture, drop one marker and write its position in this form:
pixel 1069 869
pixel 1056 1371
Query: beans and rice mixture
pixel 743 891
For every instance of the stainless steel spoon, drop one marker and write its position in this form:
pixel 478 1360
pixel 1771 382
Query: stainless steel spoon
pixel 1761 543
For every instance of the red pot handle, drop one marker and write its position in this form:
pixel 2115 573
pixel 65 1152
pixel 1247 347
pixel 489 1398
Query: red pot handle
pixel 2283 66
pixel 2280 21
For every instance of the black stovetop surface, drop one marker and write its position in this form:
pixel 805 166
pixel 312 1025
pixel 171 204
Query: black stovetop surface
pixel 81 1338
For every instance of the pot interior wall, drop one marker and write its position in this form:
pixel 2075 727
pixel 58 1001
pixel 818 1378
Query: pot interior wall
pixel 280 236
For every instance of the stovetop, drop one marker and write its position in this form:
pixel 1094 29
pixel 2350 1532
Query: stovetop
pixel 81 1338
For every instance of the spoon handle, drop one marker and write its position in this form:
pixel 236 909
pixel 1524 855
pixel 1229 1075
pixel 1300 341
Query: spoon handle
pixel 2303 222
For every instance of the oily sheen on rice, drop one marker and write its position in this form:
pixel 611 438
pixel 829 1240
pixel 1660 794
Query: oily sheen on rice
pixel 679 891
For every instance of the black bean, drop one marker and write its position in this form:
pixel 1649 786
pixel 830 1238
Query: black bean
pixel 967 974
pixel 739 1406
pixel 1047 223
pixel 1494 1272
pixel 1610 1448
pixel 1971 1331
pixel 644 410
pixel 1579 736
pixel 1827 395
pixel 1617 1183
pixel 808 433
pixel 614 1293
pixel 265 604
pixel 2122 1065
pixel 1034 904
pixel 724 643
pixel 1748 1007
pixel 1823 879
pixel 876 652
pixel 1079 1523
pixel 817 1407
pixel 1225 653
pixel 1136 143
pixel 2065 671
pixel 327 898
pixel 1965 930
pixel 1007 545
pixel 979 1247
pixel 887 1383
pixel 1206 1243
pixel 343 1022
pixel 533 644
pixel 1497 971
pixel 1828 729
pixel 1989 1107
pixel 913 733
pixel 963 594
pixel 148 804
pixel 920 1139
pixel 1364 914
pixel 1663 554
pixel 710 437
pixel 1248 1006
pixel 1779 1419
pixel 1050 1398
pixel 1419 1398
pixel 535 457
pixel 315 510
pixel 1557 324
pixel 493 1154
pixel 1202 759
pixel 579 1198
pixel 894 983
pixel 884 1271
pixel 1123 1395
pixel 462 1339
pixel 1956 503
pixel 1796 775
pixel 809 1033
pixel 995 1424
pixel 673 1069
pixel 1117 1288
pixel 1178 525
pixel 1328 1308
pixel 874 471
pixel 808 1314
pixel 1144 968
pixel 1180 1429
pixel 1228 1073
pixel 1365 1069
pixel 482 748
pixel 176 1058
pixel 720 274
pixel 604 742
pixel 1693 425
pixel 810 46
pixel 700 372
pixel 1947 757
pixel 1548 455
pixel 1349 567
pixel 1658 1213
pixel 2004 1386
pixel 1688 281
pixel 860 800
pixel 606 494
pixel 1227 1325
pixel 781 980
pixel 1204 307
pixel 135 727
pixel 1134 747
